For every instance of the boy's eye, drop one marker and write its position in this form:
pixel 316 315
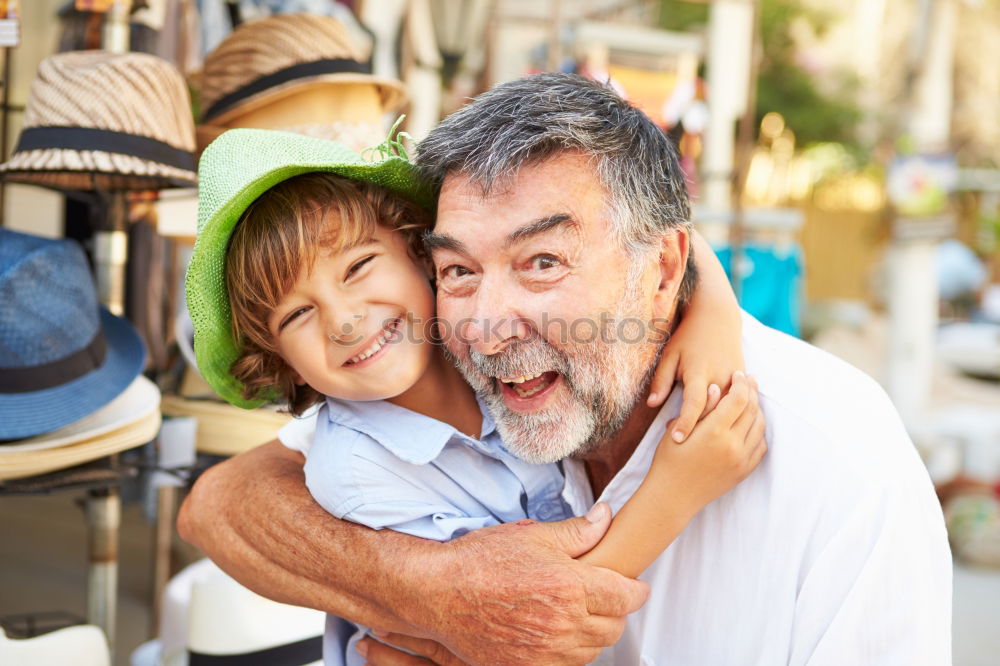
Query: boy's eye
pixel 541 262
pixel 291 317
pixel 356 266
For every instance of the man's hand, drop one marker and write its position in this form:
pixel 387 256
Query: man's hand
pixel 513 594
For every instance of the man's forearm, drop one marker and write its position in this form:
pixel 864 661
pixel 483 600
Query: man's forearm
pixel 255 518
pixel 509 594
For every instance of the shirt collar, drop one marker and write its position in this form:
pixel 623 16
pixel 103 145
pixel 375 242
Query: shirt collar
pixel 411 437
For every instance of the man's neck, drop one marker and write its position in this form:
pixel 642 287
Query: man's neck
pixel 610 456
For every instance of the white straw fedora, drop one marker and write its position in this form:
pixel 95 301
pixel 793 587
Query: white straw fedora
pixel 105 121
pixel 130 420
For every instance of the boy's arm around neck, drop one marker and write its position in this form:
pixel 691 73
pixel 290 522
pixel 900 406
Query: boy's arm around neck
pixel 506 594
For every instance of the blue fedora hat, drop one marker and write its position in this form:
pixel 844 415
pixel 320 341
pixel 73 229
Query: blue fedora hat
pixel 62 356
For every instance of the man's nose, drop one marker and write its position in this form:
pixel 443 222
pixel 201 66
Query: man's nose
pixel 494 323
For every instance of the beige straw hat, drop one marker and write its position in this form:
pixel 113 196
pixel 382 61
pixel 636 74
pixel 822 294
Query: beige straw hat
pixel 100 120
pixel 266 60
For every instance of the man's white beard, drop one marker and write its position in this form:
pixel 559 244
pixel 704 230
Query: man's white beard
pixel 604 382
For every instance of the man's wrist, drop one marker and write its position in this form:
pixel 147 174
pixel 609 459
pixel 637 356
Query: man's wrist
pixel 416 587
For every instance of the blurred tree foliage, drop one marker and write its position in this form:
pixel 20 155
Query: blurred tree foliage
pixel 783 84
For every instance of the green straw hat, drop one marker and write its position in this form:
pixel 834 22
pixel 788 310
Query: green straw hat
pixel 234 170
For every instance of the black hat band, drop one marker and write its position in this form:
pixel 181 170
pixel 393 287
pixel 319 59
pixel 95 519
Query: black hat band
pixel 55 373
pixel 108 141
pixel 274 79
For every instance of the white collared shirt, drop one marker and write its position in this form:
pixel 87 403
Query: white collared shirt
pixel 832 552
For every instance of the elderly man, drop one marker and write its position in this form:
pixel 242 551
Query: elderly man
pixel 560 203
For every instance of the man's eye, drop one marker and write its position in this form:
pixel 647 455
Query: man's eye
pixel 541 262
pixel 356 266
pixel 455 271
pixel 292 316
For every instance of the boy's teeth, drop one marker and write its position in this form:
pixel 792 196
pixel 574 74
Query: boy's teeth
pixel 377 345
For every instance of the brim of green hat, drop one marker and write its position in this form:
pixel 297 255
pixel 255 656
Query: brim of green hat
pixel 234 171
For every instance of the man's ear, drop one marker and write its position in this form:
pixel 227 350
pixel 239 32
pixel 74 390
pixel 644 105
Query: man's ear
pixel 674 250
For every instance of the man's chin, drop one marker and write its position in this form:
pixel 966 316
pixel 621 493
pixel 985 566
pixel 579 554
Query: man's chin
pixel 544 435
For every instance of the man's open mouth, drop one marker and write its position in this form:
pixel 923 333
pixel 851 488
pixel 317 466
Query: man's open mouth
pixel 527 386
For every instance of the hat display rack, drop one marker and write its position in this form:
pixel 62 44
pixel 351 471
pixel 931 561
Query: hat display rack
pixel 10 36
pixel 102 124
pixel 97 126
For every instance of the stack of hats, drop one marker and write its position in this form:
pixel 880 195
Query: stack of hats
pixel 299 73
pixel 70 384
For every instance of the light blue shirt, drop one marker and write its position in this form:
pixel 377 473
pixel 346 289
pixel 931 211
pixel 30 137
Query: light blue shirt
pixel 384 466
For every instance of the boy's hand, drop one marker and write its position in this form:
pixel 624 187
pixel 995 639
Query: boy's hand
pixel 723 448
pixel 703 363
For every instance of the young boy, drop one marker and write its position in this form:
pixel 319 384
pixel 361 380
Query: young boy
pixel 309 285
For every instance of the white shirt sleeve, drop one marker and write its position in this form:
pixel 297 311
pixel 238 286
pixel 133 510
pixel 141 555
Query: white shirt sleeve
pixel 879 591
pixel 298 433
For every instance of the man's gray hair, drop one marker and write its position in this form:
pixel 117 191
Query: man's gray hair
pixel 529 120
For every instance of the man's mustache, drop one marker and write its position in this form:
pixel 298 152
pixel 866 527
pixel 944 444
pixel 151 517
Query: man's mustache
pixel 520 358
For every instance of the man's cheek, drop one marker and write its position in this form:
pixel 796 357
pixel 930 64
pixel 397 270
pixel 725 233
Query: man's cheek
pixel 453 322
pixel 457 347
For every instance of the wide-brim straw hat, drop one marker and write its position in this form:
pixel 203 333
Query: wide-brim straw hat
pixel 234 170
pixel 263 61
pixel 105 121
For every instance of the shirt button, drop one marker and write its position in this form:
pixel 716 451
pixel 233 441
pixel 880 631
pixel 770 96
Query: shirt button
pixel 548 511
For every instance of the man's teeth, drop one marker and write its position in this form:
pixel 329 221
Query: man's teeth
pixel 514 383
pixel 527 394
pixel 521 379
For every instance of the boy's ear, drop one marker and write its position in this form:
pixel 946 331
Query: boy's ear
pixel 674 249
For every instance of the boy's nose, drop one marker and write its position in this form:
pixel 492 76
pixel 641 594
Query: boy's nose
pixel 344 328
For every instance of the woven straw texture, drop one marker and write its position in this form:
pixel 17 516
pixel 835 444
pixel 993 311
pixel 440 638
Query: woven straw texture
pixel 235 169
pixel 356 136
pixel 49 313
pixel 260 48
pixel 49 304
pixel 132 93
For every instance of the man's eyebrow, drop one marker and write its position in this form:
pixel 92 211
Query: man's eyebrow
pixel 539 226
pixel 434 241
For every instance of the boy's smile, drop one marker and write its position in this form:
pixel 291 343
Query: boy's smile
pixel 353 326
pixel 376 345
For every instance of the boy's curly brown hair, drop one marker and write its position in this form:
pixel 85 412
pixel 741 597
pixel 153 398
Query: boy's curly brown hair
pixel 276 238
